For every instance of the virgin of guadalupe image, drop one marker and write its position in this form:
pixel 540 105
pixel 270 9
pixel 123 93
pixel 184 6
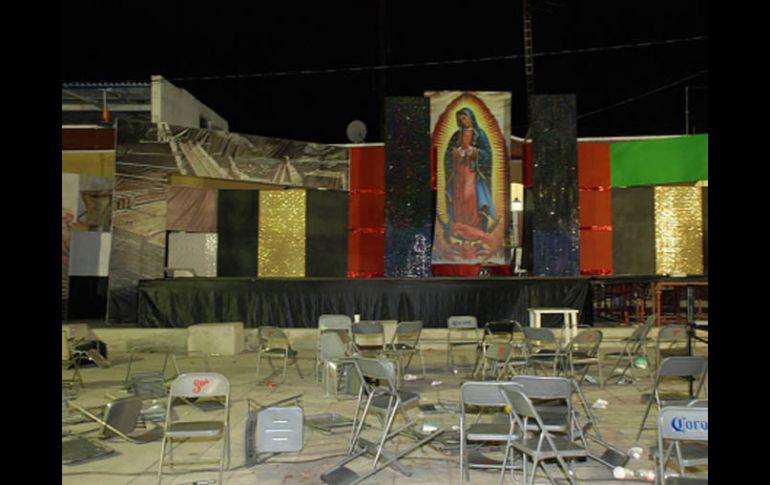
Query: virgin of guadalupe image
pixel 468 167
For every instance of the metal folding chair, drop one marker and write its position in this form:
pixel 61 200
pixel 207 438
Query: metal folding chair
pixel 581 353
pixel 671 342
pixel 273 342
pixel 119 419
pixel 340 324
pixel 69 359
pixel 333 354
pixel 387 400
pixel 368 338
pixel 534 440
pixel 689 367
pixel 405 344
pixel 198 386
pixel 500 363
pixel 458 328
pixel 484 396
pixel 494 332
pixel 634 346
pixel 686 432
pixel 543 349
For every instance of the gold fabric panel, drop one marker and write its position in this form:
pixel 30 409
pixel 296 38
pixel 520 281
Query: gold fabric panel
pixel 281 233
pixel 678 230
pixel 98 163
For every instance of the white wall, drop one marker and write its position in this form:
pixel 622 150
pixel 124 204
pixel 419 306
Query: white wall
pixel 176 106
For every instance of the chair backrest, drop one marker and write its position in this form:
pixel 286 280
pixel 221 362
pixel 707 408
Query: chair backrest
pixel 483 393
pixel 544 387
pixel 408 333
pixel 686 366
pixel 500 330
pixel 332 347
pixel 334 322
pixel 381 369
pixel 200 384
pixel 540 334
pixel 587 341
pixel 368 327
pixel 684 423
pixel 499 351
pixel 673 333
pixel 122 414
pixel 273 337
pixel 462 322
pixel 520 404
pixel 698 403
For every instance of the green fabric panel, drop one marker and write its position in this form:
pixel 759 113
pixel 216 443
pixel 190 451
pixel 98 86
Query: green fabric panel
pixel 654 162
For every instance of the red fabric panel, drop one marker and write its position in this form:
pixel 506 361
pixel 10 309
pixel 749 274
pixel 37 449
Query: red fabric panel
pixel 595 201
pixel 595 208
pixel 87 138
pixel 366 210
pixel 526 167
pixel 367 168
pixel 366 216
pixel 595 252
pixel 469 269
pixel 593 165
pixel 366 254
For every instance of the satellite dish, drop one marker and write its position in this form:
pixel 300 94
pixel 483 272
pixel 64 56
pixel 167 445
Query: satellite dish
pixel 356 131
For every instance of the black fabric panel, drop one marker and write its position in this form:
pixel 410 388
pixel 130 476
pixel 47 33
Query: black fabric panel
pixel 237 220
pixel 297 303
pixel 555 185
pixel 87 297
pixel 326 234
pixel 705 230
pixel 409 207
pixel 633 231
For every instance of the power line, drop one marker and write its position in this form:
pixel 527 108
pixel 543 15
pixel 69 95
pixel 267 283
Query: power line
pixel 433 63
pixel 648 93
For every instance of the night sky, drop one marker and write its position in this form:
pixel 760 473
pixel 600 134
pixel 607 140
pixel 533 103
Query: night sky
pixel 243 59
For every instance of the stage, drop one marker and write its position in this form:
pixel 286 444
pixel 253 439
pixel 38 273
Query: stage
pixel 298 302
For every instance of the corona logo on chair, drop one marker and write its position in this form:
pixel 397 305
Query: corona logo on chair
pixel 199 384
pixel 683 425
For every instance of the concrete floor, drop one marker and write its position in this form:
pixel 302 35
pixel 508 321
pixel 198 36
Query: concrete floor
pixel 137 464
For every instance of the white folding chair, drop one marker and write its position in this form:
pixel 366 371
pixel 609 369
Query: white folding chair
pixel 683 434
pixel 198 386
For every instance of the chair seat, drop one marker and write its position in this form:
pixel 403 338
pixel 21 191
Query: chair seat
pixel 565 448
pixel 407 397
pixel 281 352
pixel 195 429
pixel 397 347
pixel 687 481
pixel 693 454
pixel 488 432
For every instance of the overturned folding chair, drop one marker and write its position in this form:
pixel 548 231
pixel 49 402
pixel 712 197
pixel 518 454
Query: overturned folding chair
pixel 686 432
pixel 387 400
pixel 69 359
pixel 120 419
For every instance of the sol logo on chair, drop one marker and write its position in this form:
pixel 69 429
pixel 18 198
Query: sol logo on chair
pixel 199 384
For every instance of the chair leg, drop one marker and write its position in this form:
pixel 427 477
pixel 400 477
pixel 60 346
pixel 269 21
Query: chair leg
pixel 646 413
pixel 162 458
